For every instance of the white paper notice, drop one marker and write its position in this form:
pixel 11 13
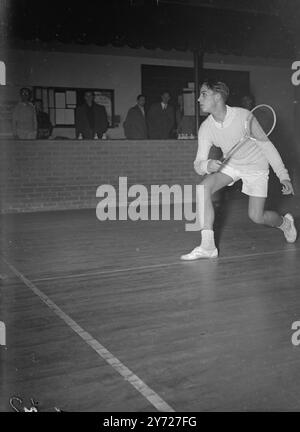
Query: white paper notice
pixel 60 116
pixel 189 103
pixel 69 117
pixel 60 100
pixel 71 97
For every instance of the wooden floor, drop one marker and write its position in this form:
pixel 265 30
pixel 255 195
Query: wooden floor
pixel 202 336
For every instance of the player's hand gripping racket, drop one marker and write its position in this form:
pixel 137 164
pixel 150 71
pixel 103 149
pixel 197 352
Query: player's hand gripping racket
pixel 258 126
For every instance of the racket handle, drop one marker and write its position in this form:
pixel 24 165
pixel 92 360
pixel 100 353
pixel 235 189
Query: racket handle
pixel 224 159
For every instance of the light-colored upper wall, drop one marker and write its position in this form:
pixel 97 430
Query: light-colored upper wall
pixel 120 69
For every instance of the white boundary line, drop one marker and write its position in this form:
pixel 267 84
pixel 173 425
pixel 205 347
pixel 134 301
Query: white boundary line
pixel 106 355
pixel 153 266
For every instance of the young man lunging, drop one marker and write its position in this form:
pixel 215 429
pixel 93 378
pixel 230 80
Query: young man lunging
pixel 224 127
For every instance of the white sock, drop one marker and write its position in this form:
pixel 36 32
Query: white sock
pixel 285 224
pixel 208 239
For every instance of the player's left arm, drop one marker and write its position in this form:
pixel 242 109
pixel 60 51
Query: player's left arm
pixel 273 157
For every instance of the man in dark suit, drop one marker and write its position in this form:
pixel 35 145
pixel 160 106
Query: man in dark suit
pixel 44 124
pixel 90 118
pixel 135 126
pixel 161 118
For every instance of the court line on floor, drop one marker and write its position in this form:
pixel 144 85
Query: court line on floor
pixel 153 266
pixel 150 395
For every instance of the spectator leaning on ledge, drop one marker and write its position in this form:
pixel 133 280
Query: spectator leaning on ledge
pixel 90 118
pixel 135 126
pixel 24 121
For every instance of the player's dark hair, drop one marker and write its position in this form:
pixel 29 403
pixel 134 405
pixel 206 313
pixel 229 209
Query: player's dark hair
pixel 218 87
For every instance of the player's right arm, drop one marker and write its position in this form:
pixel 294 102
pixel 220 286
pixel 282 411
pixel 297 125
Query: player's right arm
pixel 202 164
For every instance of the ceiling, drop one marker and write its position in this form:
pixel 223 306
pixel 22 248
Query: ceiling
pixel 269 7
pixel 264 28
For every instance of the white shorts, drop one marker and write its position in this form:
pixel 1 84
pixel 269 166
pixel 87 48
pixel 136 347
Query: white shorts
pixel 255 183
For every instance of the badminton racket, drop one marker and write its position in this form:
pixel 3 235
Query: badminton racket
pixel 258 126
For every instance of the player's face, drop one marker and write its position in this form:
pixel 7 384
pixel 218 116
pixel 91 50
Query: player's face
pixel 207 99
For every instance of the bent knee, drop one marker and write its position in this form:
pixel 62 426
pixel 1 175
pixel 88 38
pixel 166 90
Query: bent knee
pixel 208 185
pixel 257 218
pixel 206 189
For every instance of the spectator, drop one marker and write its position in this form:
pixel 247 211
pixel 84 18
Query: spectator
pixel 24 121
pixel 135 126
pixel 161 118
pixel 43 121
pixel 90 118
pixel 248 102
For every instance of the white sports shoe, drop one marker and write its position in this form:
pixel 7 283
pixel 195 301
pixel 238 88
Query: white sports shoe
pixel 290 232
pixel 199 252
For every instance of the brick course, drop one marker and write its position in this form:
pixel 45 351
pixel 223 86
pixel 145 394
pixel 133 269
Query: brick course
pixel 58 175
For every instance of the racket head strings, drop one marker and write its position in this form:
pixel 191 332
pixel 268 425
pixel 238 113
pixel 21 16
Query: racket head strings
pixel 261 122
pixel 259 125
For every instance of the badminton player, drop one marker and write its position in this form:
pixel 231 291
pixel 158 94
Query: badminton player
pixel 223 128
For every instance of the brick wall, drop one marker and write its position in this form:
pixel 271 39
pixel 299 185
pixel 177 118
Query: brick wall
pixel 56 175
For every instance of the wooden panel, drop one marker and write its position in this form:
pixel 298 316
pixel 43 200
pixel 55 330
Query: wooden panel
pixel 206 335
